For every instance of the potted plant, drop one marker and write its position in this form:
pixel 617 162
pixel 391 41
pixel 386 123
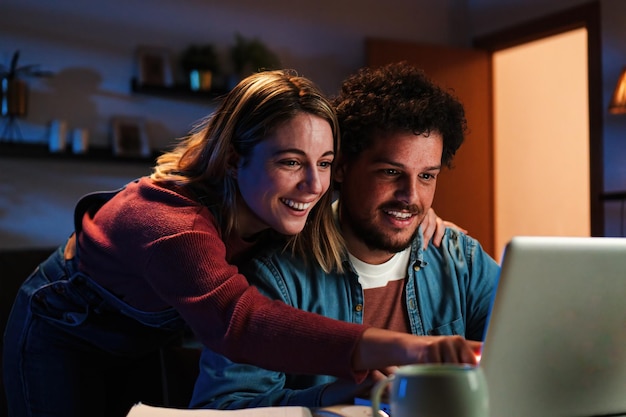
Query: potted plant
pixel 200 63
pixel 14 92
pixel 14 87
pixel 250 55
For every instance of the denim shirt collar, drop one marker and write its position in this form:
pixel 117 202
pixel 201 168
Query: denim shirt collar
pixel 417 249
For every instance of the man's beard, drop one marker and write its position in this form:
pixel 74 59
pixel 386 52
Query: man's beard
pixel 374 239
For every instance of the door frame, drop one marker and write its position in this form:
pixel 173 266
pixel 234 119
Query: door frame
pixel 587 16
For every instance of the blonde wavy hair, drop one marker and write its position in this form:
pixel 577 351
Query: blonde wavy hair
pixel 246 116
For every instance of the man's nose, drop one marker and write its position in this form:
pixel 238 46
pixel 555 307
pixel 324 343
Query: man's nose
pixel 407 191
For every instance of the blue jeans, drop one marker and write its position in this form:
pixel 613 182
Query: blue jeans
pixel 67 338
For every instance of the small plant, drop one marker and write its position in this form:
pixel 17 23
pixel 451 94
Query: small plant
pixel 12 71
pixel 251 55
pixel 200 57
pixel 14 92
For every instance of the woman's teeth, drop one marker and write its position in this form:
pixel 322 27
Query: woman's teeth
pixel 295 205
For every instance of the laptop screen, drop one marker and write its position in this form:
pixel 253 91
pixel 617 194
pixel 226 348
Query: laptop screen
pixel 556 337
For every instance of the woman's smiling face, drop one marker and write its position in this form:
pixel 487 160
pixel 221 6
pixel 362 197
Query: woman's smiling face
pixel 285 176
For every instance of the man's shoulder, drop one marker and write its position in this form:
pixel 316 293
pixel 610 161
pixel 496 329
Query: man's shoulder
pixel 277 260
pixel 275 252
pixel 280 274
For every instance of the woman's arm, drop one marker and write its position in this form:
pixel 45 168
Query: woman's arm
pixel 234 319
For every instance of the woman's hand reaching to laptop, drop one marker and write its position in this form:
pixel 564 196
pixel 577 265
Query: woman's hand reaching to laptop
pixel 379 349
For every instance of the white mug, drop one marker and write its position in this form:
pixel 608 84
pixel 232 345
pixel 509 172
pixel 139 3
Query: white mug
pixel 434 390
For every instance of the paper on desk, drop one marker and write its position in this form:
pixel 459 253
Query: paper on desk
pixel 143 410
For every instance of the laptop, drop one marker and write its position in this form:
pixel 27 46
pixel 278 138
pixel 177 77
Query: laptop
pixel 555 345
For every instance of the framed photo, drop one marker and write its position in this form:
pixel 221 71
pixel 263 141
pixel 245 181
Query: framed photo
pixel 154 67
pixel 129 137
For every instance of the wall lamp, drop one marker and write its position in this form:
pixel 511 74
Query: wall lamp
pixel 618 106
pixel 618 102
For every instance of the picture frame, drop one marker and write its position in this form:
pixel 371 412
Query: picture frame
pixel 129 138
pixel 154 66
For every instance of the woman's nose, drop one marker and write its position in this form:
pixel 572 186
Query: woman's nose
pixel 313 182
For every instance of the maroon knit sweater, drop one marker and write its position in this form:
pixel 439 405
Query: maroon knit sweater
pixel 155 247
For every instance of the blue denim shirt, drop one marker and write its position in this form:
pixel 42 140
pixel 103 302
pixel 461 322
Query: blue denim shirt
pixel 449 291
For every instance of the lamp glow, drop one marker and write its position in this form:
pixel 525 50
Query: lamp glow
pixel 618 102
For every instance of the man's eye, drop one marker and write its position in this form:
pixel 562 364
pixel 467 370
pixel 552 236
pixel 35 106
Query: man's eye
pixel 325 164
pixel 290 163
pixel 427 176
pixel 391 172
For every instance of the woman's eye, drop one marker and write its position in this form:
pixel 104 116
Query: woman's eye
pixel 326 164
pixel 290 163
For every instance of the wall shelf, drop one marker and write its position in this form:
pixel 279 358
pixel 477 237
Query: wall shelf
pixel 179 91
pixel 39 150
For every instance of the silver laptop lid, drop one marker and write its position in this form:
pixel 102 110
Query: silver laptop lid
pixel 556 339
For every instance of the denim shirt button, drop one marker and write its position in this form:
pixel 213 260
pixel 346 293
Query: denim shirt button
pixel 416 267
pixel 411 304
pixel 359 307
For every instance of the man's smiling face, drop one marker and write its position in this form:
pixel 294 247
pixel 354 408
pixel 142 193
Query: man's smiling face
pixel 387 191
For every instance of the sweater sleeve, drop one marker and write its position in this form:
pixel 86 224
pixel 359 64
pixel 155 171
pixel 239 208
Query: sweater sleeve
pixel 189 270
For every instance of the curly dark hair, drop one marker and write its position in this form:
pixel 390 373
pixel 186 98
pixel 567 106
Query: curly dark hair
pixel 397 98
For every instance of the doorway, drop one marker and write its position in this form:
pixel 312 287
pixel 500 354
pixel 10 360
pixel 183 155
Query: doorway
pixel 541 138
pixel 577 28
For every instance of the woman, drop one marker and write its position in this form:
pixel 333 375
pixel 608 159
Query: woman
pixel 159 253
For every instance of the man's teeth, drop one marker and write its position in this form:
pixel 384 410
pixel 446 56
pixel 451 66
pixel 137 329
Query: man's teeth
pixel 399 214
pixel 295 205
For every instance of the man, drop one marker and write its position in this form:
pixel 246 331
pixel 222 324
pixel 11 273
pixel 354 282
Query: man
pixel 398 131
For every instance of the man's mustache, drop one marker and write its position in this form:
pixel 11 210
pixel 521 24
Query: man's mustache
pixel 411 208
